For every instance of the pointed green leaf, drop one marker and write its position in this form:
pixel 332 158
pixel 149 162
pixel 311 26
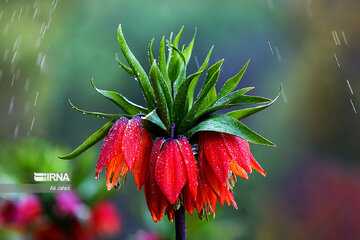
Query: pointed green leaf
pixel 162 60
pixel 232 83
pixel 189 117
pixel 161 95
pixel 238 101
pixel 194 82
pixel 151 56
pixel 154 118
pixel 138 71
pixel 179 53
pixel 94 138
pixel 211 96
pixel 177 38
pixel 243 113
pixel 227 124
pixel 188 50
pixel 124 67
pixel 125 104
pixel 181 96
pixel 99 114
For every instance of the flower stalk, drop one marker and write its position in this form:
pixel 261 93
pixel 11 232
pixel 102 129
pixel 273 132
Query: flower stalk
pixel 180 225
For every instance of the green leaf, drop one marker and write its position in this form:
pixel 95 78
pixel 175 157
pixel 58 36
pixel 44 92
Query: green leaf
pixel 154 118
pixel 126 105
pixel 162 94
pixel 194 82
pixel 231 96
pixel 232 83
pixel 174 64
pixel 124 67
pixel 180 54
pixel 162 61
pixel 181 96
pixel 177 38
pixel 227 124
pixel 94 138
pixel 138 71
pixel 188 50
pixel 240 100
pixel 188 119
pixel 151 56
pixel 99 114
pixel 243 113
pixel 211 96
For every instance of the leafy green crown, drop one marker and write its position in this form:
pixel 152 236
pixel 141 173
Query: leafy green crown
pixel 169 95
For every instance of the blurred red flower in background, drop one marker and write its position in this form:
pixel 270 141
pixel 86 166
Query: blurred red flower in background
pixel 105 218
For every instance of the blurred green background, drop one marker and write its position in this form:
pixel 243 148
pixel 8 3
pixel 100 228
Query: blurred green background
pixel 49 51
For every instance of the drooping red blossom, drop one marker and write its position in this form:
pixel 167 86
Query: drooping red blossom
pixel 221 157
pixel 105 219
pixel 126 148
pixel 172 167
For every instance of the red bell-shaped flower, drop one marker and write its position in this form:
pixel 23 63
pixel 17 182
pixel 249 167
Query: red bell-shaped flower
pixel 127 147
pixel 173 169
pixel 221 157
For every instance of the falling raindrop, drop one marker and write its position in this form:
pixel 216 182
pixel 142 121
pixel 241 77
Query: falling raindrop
pixel 337 61
pixel 1 14
pixel 336 38
pixel 349 86
pixel 36 98
pixel 197 62
pixel 35 13
pixel 42 62
pixel 14 57
pixel 343 33
pixel 32 124
pixel 278 54
pixel 21 9
pixel 1 74
pixel 16 131
pixel 13 79
pixel 352 104
pixel 271 50
pixel 11 105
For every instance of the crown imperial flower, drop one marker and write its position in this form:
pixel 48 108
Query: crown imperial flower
pixel 196 154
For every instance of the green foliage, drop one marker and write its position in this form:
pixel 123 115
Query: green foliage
pixel 169 94
pixel 94 138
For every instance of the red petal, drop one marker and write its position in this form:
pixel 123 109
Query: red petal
pixel 131 141
pixel 170 211
pixel 230 199
pixel 255 165
pixel 141 166
pixel 170 171
pixel 110 143
pixel 236 169
pixel 188 200
pixel 190 164
pixel 239 150
pixel 116 167
pixel 155 199
pixel 216 154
